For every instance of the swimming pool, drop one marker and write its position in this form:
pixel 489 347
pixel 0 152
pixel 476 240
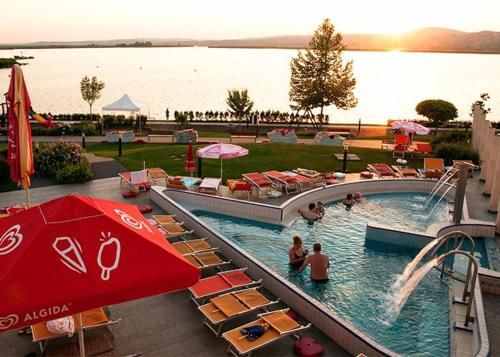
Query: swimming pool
pixel 360 276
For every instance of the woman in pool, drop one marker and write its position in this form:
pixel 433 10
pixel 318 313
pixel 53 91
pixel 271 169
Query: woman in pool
pixel 349 201
pixel 297 254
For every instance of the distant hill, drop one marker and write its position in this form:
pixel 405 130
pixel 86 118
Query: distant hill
pixel 423 40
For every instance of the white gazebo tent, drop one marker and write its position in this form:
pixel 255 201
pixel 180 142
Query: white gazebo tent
pixel 124 104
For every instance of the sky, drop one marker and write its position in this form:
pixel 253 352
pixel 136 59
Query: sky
pixel 72 20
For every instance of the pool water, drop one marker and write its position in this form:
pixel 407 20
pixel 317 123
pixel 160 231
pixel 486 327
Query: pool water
pixel 360 276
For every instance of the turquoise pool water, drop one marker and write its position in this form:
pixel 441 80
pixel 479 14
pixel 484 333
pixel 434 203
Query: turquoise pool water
pixel 360 276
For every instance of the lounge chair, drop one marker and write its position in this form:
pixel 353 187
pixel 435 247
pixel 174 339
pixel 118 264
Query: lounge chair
pixel 183 183
pixel 401 146
pixel 173 230
pixel 136 179
pixel 282 181
pixel 421 149
pixel 307 172
pixel 381 170
pixel 193 246
pixel 209 185
pixel 226 307
pixel 405 171
pixel 260 182
pixel 204 260
pixel 433 168
pixel 306 183
pixel 164 219
pixel 239 186
pixel 280 323
pixel 90 319
pixel 221 283
pixel 156 173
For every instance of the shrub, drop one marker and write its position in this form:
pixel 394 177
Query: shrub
pixel 75 173
pixel 450 152
pixel 4 170
pixel 453 136
pixel 51 158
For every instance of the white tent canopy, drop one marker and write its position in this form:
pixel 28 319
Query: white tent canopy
pixel 124 104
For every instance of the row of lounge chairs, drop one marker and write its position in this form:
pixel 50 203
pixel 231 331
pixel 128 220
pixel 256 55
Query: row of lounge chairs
pixel 403 146
pixel 229 294
pixel 433 168
pixel 286 181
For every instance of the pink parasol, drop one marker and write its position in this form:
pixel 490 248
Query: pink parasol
pixel 411 127
pixel 221 151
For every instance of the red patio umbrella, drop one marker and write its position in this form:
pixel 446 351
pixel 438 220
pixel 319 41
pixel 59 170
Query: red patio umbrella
pixel 20 150
pixel 76 253
pixel 189 164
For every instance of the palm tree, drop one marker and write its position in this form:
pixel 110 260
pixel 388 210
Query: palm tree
pixel 239 103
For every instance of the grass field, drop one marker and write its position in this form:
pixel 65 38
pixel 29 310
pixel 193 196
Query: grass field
pixel 262 157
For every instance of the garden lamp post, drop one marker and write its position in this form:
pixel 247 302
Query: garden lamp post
pixel 344 161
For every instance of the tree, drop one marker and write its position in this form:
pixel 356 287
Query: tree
pixel 437 111
pixel 91 90
pixel 319 78
pixel 239 103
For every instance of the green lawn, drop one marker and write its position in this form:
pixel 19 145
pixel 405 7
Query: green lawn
pixel 262 157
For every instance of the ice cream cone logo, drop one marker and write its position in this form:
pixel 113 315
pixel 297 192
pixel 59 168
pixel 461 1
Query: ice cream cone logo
pixel 108 257
pixel 10 240
pixel 8 321
pixel 70 251
pixel 131 221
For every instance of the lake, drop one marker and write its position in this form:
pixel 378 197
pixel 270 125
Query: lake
pixel 390 84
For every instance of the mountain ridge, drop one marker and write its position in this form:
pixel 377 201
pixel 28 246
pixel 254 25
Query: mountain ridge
pixel 432 39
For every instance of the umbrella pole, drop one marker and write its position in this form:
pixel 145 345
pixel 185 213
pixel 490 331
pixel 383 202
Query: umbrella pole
pixel 221 168
pixel 81 342
pixel 27 197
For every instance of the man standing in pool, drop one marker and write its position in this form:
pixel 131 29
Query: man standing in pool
pixel 319 265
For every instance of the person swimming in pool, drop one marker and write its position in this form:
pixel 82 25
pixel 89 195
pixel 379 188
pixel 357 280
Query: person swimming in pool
pixel 349 201
pixel 310 214
pixel 297 254
pixel 319 265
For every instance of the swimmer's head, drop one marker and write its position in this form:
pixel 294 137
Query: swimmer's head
pixel 349 196
pixel 312 206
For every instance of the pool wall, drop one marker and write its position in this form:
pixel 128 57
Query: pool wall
pixel 339 330
pixel 384 234
pixel 327 321
pixel 286 213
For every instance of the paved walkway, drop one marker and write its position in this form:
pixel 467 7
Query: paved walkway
pixel 163 325
pixel 370 144
pixel 492 304
pixel 104 167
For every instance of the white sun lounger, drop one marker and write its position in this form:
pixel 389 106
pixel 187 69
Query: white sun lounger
pixel 209 185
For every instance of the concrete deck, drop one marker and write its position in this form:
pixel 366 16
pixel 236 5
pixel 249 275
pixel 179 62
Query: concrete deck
pixel 162 325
